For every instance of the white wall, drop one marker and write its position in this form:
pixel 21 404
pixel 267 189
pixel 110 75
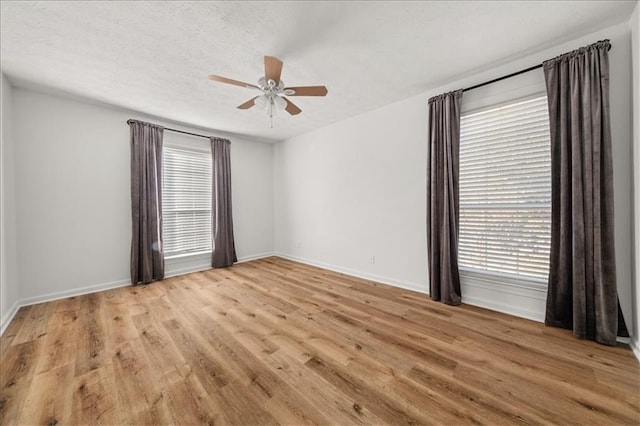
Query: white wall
pixel 634 23
pixel 72 166
pixel 356 189
pixel 353 190
pixel 8 248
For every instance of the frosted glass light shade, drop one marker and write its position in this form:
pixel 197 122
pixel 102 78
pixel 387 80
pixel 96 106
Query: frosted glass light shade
pixel 279 103
pixel 262 101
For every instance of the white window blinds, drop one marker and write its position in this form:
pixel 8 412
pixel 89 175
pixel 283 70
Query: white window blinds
pixel 186 201
pixel 505 189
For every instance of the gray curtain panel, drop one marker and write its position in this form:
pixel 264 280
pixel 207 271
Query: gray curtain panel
pixel 147 257
pixel 224 249
pixel 442 197
pixel 582 294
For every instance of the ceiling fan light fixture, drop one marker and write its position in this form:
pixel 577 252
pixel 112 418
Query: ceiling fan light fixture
pixel 279 103
pixel 262 101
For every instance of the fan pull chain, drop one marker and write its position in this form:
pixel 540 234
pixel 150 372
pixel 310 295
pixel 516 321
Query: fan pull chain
pixel 271 112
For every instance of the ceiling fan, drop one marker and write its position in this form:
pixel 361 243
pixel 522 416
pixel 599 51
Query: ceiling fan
pixel 273 89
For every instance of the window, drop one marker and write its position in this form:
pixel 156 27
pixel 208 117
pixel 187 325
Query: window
pixel 505 190
pixel 186 201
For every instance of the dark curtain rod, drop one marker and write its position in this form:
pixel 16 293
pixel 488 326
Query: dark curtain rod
pixel 504 77
pixel 513 74
pixel 173 130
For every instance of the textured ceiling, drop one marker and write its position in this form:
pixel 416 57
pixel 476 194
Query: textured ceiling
pixel 154 57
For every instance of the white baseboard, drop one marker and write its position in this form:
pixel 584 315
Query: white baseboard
pixel 255 257
pixel 6 319
pixel 359 274
pixel 634 344
pixel 50 297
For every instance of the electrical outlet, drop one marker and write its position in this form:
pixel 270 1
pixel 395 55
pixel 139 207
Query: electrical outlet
pixel 372 260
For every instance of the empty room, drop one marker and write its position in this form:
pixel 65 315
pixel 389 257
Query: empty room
pixel 320 212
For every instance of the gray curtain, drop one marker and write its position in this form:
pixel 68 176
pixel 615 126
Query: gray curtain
pixel 147 257
pixel 582 294
pixel 224 250
pixel 442 197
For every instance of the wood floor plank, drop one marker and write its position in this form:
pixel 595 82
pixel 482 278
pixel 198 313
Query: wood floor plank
pixel 252 333
pixel 195 352
pixel 278 342
pixel 139 394
pixel 241 406
pixel 118 325
pixel 95 398
pixel 487 406
pixel 188 402
pixel 17 369
pixel 91 349
pixel 36 323
pixel 14 327
pixel 162 354
pixel 388 410
pixel 58 346
pixel 49 400
pixel 336 405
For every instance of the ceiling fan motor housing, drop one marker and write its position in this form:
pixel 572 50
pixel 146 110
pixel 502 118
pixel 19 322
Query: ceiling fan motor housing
pixel 270 86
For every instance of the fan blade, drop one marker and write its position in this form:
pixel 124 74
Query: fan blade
pixel 272 68
pixel 292 108
pixel 230 81
pixel 248 104
pixel 308 91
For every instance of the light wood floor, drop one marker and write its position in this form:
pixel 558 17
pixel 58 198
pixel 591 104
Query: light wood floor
pixel 273 341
